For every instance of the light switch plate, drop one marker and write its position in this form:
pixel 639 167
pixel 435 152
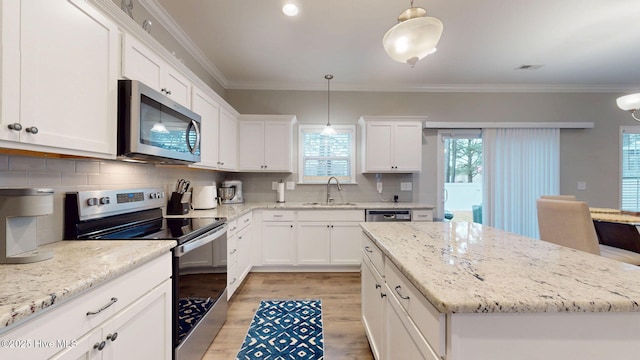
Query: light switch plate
pixel 291 185
pixel 406 186
pixel 582 185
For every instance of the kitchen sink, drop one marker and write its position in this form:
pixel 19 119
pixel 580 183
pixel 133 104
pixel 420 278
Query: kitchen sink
pixel 329 204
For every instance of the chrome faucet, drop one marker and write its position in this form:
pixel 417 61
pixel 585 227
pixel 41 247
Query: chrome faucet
pixel 329 199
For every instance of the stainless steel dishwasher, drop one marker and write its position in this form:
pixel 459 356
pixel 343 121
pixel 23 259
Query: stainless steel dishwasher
pixel 379 215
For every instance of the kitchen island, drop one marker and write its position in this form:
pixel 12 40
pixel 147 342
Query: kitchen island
pixel 489 294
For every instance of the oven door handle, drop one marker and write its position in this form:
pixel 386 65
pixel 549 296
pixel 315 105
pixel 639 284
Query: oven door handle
pixel 200 241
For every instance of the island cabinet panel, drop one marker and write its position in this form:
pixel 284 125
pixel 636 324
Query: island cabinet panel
pixel 553 335
pixel 373 305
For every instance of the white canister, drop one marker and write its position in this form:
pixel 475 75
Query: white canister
pixel 203 197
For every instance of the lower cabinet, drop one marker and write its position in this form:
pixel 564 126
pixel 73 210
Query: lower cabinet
pixel 373 306
pixel 128 317
pixel 120 338
pixel 278 237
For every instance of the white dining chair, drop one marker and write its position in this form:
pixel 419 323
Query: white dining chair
pixel 568 223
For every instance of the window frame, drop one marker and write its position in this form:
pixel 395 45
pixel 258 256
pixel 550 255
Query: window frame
pixel 318 128
pixel 627 130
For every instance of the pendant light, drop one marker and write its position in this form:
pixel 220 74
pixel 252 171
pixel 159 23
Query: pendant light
pixel 328 130
pixel 630 103
pixel 414 36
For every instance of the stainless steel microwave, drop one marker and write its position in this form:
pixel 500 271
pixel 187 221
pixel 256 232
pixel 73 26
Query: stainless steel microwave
pixel 154 128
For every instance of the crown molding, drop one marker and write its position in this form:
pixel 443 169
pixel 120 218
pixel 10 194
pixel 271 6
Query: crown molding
pixel 158 12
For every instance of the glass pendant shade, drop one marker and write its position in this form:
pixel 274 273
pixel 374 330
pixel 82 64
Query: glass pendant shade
pixel 630 103
pixel 414 37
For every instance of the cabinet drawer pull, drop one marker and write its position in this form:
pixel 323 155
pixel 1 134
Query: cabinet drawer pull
pixel 113 301
pixel 233 281
pixel 368 249
pixel 233 252
pixel 233 228
pixel 398 292
pixel 378 286
pixel 99 346
pixel 278 216
pixel 112 337
pixel 246 220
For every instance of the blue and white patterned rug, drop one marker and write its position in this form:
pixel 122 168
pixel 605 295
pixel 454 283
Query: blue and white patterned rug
pixel 285 330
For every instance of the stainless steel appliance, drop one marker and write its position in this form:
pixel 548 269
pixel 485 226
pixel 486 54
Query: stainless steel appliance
pixel 19 209
pixel 154 128
pixel 231 192
pixel 199 288
pixel 378 215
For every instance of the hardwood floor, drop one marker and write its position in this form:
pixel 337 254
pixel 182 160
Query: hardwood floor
pixel 344 336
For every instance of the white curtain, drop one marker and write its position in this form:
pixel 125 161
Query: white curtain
pixel 520 165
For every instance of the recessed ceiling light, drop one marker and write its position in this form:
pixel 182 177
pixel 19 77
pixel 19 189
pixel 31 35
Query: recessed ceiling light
pixel 290 9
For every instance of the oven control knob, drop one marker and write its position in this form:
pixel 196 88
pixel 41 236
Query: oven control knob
pixel 92 201
pixel 105 200
pixel 153 195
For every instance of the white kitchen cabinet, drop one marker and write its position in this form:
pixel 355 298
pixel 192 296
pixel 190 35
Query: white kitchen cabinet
pixel 59 78
pixel 422 215
pixel 238 252
pixel 278 237
pixel 120 338
pixel 134 303
pixel 373 306
pixel 265 142
pixel 209 110
pixel 228 140
pixel 391 144
pixel 329 237
pixel 139 62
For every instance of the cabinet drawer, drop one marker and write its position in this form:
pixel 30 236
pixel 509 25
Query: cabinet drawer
pixel 422 215
pixel 232 228
pixel 331 215
pixel 269 215
pixel 244 220
pixel 427 318
pixel 70 321
pixel 373 253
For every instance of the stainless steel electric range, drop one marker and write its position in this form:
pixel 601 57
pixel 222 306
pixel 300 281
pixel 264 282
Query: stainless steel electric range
pixel 199 260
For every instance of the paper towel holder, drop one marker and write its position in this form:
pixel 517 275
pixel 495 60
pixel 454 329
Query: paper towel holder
pixel 280 192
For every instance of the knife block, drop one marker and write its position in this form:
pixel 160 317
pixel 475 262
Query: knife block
pixel 178 204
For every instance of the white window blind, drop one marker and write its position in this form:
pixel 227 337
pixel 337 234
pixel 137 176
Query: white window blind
pixel 321 156
pixel 630 168
pixel 520 165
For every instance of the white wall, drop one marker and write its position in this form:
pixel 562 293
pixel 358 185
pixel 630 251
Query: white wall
pixel 589 155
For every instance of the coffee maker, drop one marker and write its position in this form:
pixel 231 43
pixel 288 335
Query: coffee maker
pixel 231 192
pixel 19 209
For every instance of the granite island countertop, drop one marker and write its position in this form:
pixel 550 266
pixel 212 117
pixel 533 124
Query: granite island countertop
pixel 233 211
pixel 76 266
pixel 470 268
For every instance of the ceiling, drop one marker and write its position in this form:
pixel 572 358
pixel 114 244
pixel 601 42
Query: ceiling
pixel 582 45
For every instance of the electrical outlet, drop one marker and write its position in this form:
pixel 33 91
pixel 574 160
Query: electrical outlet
pixel 406 186
pixel 274 185
pixel 582 185
pixel 291 185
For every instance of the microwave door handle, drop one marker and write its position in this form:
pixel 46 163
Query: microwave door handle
pixel 193 124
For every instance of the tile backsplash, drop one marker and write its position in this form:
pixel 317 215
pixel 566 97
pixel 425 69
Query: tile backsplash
pixel 63 175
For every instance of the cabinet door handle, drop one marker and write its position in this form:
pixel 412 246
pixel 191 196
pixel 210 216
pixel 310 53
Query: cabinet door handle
pixel 113 301
pixel 112 337
pixel 398 292
pixel 15 126
pixel 368 249
pixel 378 286
pixel 233 281
pixel 99 346
pixel 233 252
pixel 382 295
pixel 32 129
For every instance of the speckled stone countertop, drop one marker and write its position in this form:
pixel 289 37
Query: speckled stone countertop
pixel 76 266
pixel 470 268
pixel 233 211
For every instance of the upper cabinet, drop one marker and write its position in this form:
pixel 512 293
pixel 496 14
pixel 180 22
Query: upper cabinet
pixel 59 78
pixel 228 144
pixel 143 64
pixel 391 144
pixel 209 111
pixel 265 142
